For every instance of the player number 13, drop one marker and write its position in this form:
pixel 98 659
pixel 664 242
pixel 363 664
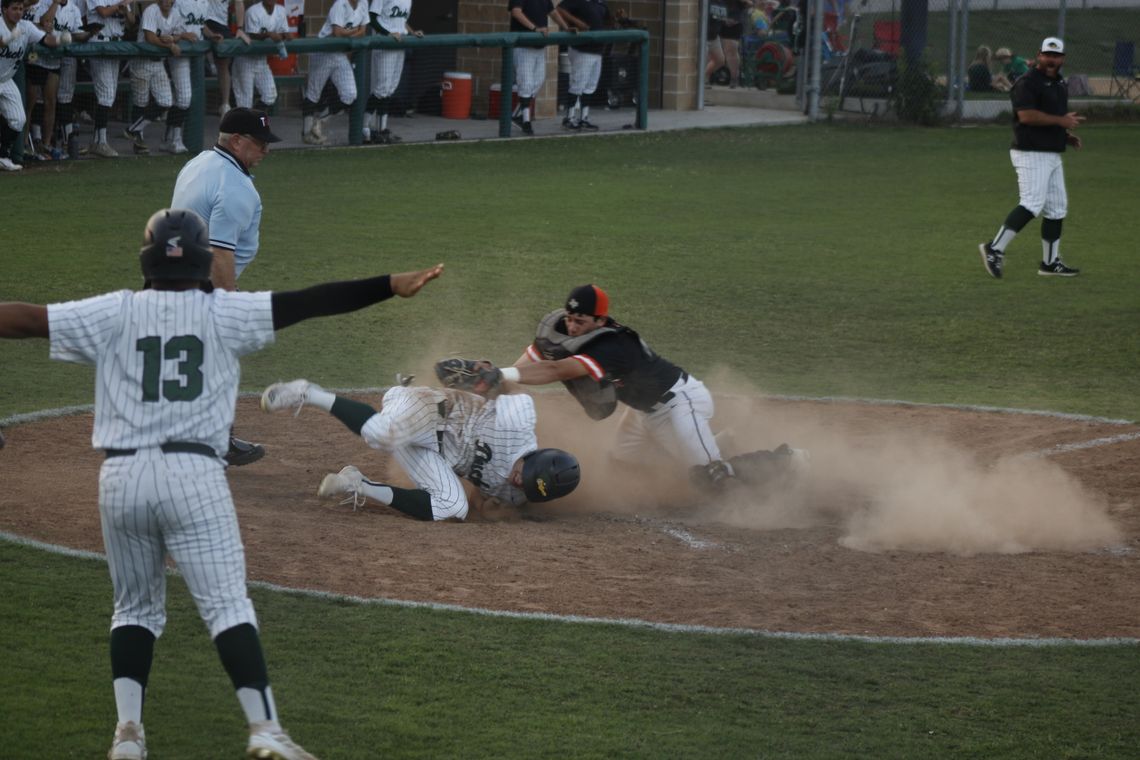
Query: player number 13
pixel 187 349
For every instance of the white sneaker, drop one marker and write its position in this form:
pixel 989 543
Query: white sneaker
pixel 268 741
pixel 312 138
pixel 347 483
pixel 285 395
pixel 9 165
pixel 167 146
pixel 318 131
pixel 179 148
pixel 129 742
pixel 103 150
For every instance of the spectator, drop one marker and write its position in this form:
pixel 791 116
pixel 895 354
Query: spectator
pixel 347 18
pixel 218 24
pixel 16 36
pixel 585 58
pixel 162 26
pixel 390 18
pixel 530 62
pixel 108 19
pixel 978 76
pixel 1013 66
pixel 727 20
pixel 263 21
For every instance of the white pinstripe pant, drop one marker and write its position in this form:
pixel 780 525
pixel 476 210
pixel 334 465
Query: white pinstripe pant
pixel 105 79
pixel 250 71
pixel 530 70
pixel 12 105
pixel 67 68
pixel 680 426
pixel 1041 182
pixel 148 77
pixel 585 71
pixel 335 66
pixel 387 66
pixel 180 80
pixel 152 504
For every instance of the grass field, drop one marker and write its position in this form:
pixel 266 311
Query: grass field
pixel 825 260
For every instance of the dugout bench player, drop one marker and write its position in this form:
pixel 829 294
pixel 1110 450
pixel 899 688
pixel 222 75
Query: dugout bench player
pixel 167 368
pixel 1042 124
pixel 439 436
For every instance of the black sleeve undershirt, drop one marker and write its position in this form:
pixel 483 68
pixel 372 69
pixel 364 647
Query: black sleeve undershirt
pixel 293 306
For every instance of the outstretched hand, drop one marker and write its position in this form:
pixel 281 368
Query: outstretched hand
pixel 408 284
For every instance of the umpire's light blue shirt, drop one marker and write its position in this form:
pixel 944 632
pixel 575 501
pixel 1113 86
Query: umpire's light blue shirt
pixel 220 189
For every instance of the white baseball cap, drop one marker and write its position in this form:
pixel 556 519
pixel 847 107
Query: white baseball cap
pixel 1053 45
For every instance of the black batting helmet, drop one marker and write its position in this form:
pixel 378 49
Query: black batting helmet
pixel 176 246
pixel 549 474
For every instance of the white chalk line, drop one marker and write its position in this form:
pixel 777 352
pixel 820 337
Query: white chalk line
pixel 623 622
pixel 680 534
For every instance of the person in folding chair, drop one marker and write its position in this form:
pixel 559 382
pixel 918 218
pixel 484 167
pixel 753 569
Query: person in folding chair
pixel 1042 129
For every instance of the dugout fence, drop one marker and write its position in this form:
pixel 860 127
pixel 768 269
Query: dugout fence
pixel 490 53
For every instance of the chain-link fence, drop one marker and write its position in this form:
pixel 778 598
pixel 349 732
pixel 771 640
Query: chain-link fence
pixel 932 60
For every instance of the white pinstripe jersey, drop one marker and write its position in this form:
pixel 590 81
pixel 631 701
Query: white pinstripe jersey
pixel 68 18
pixel 154 22
pixel 344 15
pixel 194 14
pixel 113 26
pixel 26 34
pixel 214 185
pixel 166 362
pixel 392 14
pixel 258 21
pixel 479 439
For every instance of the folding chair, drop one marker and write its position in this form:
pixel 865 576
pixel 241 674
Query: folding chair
pixel 1125 73
pixel 888 36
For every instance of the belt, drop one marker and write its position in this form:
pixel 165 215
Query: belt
pixel 668 396
pixel 173 447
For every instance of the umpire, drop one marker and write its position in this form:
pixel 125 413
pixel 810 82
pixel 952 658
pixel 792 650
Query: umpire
pixel 1041 131
pixel 217 185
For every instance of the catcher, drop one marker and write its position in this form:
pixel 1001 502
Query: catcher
pixel 439 436
pixel 602 362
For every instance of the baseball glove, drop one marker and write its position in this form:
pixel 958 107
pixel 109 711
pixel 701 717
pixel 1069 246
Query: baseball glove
pixel 474 375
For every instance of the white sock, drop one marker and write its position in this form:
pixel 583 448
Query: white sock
pixel 101 135
pixel 176 134
pixel 383 121
pixel 37 132
pixel 255 703
pixel 1004 237
pixel 1050 252
pixel 585 113
pixel 306 124
pixel 377 491
pixel 320 398
pixel 128 700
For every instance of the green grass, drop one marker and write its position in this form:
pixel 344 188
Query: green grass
pixel 358 681
pixel 830 260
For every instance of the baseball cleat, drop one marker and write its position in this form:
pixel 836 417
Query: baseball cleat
pixel 243 452
pixel 268 741
pixel 8 165
pixel 991 260
pixel 311 138
pixel 527 128
pixel 138 144
pixel 129 742
pixel 345 483
pixel 103 150
pixel 285 395
pixel 586 124
pixel 1057 269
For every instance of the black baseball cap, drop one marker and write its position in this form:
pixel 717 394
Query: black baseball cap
pixel 248 121
pixel 589 300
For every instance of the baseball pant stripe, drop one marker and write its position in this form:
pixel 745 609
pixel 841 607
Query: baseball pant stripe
pixel 431 473
pixel 148 78
pixel 1040 182
pixel 67 71
pixel 11 106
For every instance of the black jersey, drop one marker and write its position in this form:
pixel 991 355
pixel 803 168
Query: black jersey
pixel 621 358
pixel 536 12
pixel 1038 92
pixel 592 13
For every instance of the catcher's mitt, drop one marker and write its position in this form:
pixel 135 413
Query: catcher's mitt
pixel 474 375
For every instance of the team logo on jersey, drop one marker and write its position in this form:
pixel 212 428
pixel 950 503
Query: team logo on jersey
pixel 483 455
pixel 174 247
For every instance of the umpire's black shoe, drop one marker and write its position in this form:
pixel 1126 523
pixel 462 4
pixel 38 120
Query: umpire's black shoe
pixel 992 260
pixel 1057 269
pixel 243 452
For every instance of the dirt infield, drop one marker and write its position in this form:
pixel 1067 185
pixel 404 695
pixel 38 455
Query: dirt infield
pixel 914 521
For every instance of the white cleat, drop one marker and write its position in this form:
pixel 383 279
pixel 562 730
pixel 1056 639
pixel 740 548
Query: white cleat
pixel 347 483
pixel 285 395
pixel 312 138
pixel 8 165
pixel 129 742
pixel 268 741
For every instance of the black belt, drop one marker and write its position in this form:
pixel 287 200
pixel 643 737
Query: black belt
pixel 173 447
pixel 668 396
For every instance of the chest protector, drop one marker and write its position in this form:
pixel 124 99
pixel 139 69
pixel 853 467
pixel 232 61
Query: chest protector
pixel 598 398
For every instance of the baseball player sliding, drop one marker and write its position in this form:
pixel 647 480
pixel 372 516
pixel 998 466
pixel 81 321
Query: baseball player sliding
pixel 1042 129
pixel 437 437
pixel 166 367
pixel 602 362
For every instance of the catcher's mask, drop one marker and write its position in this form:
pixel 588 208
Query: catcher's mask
pixel 176 246
pixel 549 474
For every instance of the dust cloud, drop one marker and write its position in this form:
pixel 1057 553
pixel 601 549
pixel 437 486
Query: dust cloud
pixel 883 484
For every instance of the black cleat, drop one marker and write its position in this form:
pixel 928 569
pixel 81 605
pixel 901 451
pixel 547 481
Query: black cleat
pixel 243 452
pixel 992 260
pixel 585 124
pixel 527 128
pixel 1057 269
